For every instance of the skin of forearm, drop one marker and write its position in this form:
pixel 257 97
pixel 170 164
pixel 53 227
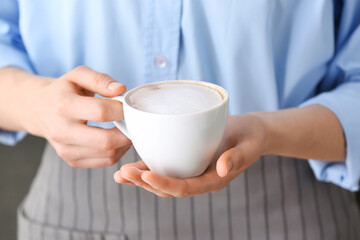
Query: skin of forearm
pixel 307 132
pixel 18 90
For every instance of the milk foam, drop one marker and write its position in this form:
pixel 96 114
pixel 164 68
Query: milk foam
pixel 174 98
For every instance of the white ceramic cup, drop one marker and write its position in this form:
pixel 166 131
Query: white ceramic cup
pixel 180 145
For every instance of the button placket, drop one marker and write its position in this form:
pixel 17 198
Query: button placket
pixel 162 39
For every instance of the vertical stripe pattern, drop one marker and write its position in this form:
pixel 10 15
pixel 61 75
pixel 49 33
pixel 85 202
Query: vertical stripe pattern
pixel 318 215
pixel 156 220
pixel 247 206
pixel 121 205
pixel 174 218
pixel 229 212
pixel 283 209
pixel 106 207
pixel 75 200
pixel 193 227
pixel 266 216
pixel 89 198
pixel 211 217
pixel 138 204
pixel 61 194
pixel 276 198
pixel 333 211
pixel 300 201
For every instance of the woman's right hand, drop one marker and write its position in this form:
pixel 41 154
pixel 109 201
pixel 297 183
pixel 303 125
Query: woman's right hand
pixel 59 111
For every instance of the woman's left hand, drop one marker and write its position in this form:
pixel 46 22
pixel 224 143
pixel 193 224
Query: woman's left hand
pixel 241 146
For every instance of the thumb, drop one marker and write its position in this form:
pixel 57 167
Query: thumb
pixel 95 82
pixel 229 161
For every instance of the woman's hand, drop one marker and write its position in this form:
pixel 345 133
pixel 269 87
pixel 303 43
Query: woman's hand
pixel 59 109
pixel 241 146
pixel 307 132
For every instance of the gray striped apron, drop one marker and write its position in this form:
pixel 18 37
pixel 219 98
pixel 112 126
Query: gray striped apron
pixel 276 198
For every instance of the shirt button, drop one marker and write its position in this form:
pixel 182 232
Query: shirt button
pixel 161 61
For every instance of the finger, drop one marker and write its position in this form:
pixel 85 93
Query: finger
pixel 171 186
pixel 98 162
pixel 119 179
pixel 139 164
pixel 93 162
pixel 74 153
pixel 183 187
pixel 93 137
pixel 94 109
pixel 133 174
pixel 231 160
pixel 96 82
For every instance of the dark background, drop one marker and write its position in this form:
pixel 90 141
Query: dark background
pixel 18 166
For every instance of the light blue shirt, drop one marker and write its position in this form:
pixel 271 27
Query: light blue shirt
pixel 267 54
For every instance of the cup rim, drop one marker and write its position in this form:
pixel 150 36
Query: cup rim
pixel 220 90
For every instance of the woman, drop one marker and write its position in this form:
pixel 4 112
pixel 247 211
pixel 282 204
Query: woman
pixel 300 56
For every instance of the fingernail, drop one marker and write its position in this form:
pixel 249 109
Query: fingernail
pixel 114 85
pixel 228 167
pixel 117 176
pixel 124 174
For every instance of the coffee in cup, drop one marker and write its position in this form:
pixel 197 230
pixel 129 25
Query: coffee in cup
pixel 174 98
pixel 175 126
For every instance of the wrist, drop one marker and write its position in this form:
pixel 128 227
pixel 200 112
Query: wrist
pixel 30 88
pixel 269 140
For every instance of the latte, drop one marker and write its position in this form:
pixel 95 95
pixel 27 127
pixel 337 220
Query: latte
pixel 174 98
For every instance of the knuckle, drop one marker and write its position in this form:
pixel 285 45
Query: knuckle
pixel 182 192
pixel 126 142
pixel 61 151
pixel 123 142
pixel 180 195
pixel 61 154
pixel 105 162
pixel 163 195
pixel 101 79
pixel 55 135
pixel 101 112
pixel 61 106
pixel 111 161
pixel 75 71
pixel 111 153
pixel 72 164
pixel 108 142
pixel 81 68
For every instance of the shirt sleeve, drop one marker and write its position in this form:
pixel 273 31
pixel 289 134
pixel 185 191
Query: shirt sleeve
pixel 12 53
pixel 340 92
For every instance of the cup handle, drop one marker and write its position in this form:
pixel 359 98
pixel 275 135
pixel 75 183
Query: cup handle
pixel 120 124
